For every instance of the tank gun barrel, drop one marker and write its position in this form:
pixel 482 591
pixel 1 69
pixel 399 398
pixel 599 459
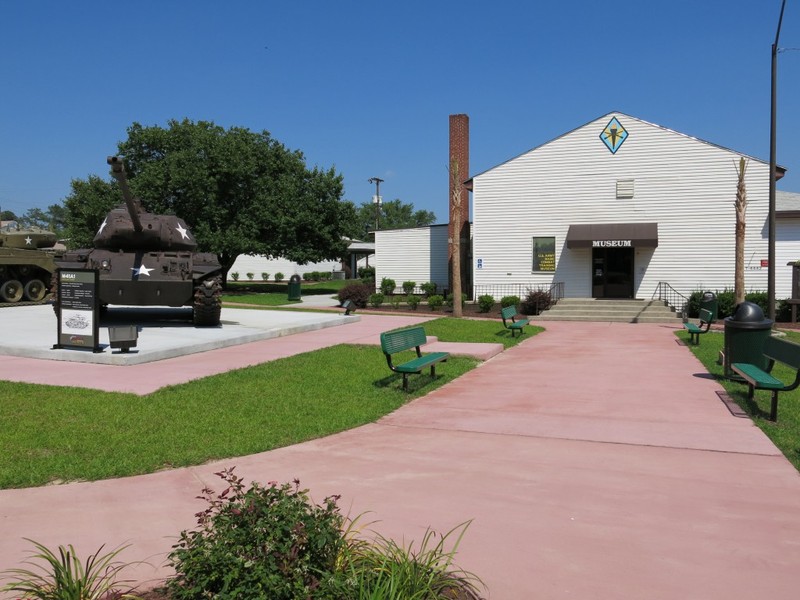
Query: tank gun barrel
pixel 118 171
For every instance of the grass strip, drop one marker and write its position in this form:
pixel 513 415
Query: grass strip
pixel 58 434
pixel 785 434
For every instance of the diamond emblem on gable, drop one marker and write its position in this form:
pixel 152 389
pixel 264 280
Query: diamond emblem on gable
pixel 613 135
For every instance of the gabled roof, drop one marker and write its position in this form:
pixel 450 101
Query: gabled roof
pixel 781 171
pixel 787 205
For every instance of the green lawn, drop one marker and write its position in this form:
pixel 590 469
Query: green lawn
pixel 785 434
pixel 276 294
pixel 64 434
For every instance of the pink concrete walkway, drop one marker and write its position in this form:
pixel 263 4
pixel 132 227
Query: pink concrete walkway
pixel 594 460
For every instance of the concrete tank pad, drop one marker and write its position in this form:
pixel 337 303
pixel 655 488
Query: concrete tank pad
pixel 31 332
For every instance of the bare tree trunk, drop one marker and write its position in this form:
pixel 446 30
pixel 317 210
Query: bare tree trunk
pixel 455 241
pixel 741 208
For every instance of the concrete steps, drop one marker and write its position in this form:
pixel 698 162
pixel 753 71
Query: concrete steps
pixel 616 311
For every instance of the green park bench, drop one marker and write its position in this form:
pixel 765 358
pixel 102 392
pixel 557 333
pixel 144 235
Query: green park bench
pixel 510 321
pixel 775 350
pixel 393 342
pixel 706 319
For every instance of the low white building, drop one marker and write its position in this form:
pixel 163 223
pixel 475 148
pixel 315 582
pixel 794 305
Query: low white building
pixel 359 254
pixel 619 206
pixel 787 240
pixel 418 254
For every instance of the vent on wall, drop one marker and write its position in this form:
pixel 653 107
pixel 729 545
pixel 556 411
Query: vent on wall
pixel 624 188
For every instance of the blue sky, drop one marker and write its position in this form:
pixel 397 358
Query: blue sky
pixel 367 87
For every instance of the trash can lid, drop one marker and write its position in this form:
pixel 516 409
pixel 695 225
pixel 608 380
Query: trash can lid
pixel 748 312
pixel 295 278
pixel 709 296
pixel 748 315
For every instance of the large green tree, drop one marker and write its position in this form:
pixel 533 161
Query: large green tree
pixel 54 218
pixel 392 215
pixel 240 192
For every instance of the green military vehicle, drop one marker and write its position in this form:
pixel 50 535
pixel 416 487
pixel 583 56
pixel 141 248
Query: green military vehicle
pixel 27 263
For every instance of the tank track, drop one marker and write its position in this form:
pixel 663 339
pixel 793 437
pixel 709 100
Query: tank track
pixel 207 302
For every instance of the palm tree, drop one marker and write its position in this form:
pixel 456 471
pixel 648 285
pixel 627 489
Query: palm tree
pixel 741 208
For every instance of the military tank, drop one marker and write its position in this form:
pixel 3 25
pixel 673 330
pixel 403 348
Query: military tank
pixel 27 262
pixel 144 259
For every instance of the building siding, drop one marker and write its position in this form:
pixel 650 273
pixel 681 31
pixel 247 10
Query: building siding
pixel 258 264
pixel 685 185
pixel 418 254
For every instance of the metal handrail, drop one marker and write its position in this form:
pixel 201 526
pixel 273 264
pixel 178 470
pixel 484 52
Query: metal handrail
pixel 673 298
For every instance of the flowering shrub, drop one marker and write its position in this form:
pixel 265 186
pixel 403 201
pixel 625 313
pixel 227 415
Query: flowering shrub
pixel 258 542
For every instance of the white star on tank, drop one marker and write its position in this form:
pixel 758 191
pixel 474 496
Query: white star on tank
pixel 141 270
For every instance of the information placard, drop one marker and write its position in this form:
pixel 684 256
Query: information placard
pixel 544 254
pixel 79 314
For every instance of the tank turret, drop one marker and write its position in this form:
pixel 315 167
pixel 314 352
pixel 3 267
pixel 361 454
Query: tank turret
pixel 144 259
pixel 128 227
pixel 30 238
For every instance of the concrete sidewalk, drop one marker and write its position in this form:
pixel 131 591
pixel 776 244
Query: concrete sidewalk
pixel 595 460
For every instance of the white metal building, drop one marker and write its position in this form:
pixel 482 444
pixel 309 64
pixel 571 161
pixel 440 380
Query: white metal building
pixel 418 254
pixel 787 240
pixel 618 205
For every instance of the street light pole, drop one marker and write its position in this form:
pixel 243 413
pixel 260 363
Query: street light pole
pixel 377 199
pixel 772 171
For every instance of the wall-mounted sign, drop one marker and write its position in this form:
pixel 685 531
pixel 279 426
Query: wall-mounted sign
pixel 612 244
pixel 614 135
pixel 79 310
pixel 479 263
pixel 544 254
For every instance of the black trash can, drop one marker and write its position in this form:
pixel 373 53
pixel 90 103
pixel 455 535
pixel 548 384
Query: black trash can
pixel 294 287
pixel 709 302
pixel 745 333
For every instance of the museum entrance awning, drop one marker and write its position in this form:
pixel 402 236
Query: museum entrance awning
pixel 613 235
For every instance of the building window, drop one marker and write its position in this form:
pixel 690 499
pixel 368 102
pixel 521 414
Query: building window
pixel 624 189
pixel 544 254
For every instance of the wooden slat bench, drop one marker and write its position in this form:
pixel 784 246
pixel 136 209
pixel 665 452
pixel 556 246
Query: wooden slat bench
pixel 510 321
pixel 776 350
pixel 706 319
pixel 393 342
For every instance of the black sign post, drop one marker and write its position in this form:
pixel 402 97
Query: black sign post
pixel 79 314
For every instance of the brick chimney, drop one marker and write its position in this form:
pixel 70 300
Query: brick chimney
pixel 459 152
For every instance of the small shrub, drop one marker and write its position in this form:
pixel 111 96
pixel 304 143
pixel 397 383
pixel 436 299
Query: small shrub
pixel 265 277
pixel 535 302
pixel 396 301
pixel 385 569
pixel 428 288
pixel 367 273
pixel 408 287
pixel 250 276
pixel 66 577
pixel 375 300
pixel 485 303
pixel 387 286
pixel 307 276
pixel 412 301
pixel 435 302
pixel 357 293
pixel 507 301
pixel 278 277
pixel 235 276
pixel 272 539
pixel 449 300
pixel 783 312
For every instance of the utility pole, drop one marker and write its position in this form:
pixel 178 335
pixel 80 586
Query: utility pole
pixel 772 171
pixel 376 200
